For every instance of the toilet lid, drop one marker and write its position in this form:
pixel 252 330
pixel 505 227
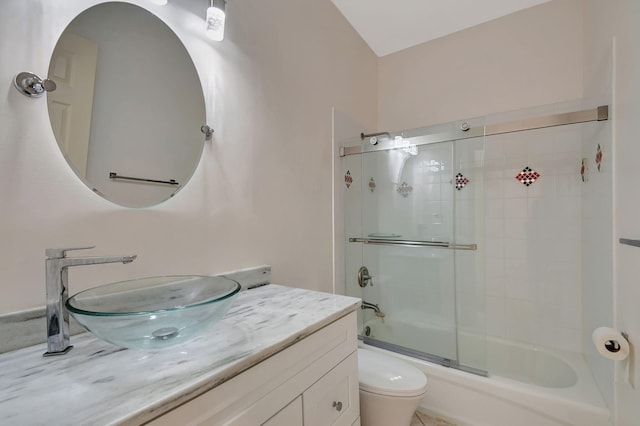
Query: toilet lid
pixel 385 375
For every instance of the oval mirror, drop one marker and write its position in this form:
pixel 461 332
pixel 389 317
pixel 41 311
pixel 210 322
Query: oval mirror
pixel 128 107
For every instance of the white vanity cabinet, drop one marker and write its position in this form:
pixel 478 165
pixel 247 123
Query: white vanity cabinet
pixel 314 382
pixel 289 415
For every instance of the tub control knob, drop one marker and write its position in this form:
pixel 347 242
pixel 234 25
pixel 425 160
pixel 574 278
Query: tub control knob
pixel 337 405
pixel 363 277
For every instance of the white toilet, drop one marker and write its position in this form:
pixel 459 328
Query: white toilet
pixel 390 389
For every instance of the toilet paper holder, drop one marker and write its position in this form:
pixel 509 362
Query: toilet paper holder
pixel 613 345
pixel 625 335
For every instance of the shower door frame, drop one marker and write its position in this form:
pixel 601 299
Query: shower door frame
pixel 600 113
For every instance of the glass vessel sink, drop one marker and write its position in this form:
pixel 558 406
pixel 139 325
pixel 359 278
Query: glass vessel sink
pixel 156 312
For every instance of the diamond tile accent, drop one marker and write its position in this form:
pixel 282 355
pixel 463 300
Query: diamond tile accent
pixel 599 155
pixel 584 170
pixel 461 181
pixel 527 176
pixel 348 180
pixel 372 185
pixel 405 189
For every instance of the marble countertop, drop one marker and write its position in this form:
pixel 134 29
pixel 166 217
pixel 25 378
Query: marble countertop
pixel 101 384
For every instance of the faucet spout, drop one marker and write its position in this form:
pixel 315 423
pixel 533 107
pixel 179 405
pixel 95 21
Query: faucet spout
pixel 374 307
pixel 65 262
pixel 57 283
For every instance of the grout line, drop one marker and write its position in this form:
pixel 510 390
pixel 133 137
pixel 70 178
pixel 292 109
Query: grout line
pixel 419 419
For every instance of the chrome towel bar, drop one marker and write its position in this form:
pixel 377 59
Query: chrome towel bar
pixel 113 175
pixel 410 243
pixel 634 243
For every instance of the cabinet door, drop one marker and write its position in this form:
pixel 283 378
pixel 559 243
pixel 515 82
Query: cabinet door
pixel 291 415
pixel 334 399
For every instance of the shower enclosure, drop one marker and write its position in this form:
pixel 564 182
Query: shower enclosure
pixel 461 236
pixel 412 243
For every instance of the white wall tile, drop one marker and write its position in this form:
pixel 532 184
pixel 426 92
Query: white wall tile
pixel 516 208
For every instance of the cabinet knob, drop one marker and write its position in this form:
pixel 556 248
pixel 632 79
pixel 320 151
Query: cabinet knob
pixel 337 405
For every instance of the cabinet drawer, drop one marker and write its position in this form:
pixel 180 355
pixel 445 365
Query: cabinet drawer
pixel 334 399
pixel 291 415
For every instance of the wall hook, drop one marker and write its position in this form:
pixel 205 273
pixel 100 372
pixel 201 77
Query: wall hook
pixel 207 131
pixel 33 86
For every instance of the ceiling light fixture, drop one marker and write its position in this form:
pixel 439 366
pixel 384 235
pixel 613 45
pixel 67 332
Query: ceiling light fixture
pixel 215 20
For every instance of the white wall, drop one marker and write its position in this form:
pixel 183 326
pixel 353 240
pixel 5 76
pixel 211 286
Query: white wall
pixel 262 192
pixel 529 58
pixel 604 21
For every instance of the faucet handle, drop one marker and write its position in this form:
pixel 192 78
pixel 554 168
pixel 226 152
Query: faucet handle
pixel 59 253
pixel 364 278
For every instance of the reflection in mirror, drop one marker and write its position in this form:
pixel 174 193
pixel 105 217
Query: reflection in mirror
pixel 129 102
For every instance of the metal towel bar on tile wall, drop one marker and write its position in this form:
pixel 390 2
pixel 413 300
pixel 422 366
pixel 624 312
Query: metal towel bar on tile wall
pixel 409 243
pixel 635 243
pixel 113 175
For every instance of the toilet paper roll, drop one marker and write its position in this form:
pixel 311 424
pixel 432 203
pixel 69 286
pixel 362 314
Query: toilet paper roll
pixel 610 343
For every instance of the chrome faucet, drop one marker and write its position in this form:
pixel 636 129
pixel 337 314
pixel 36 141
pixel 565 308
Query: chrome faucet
pixel 375 308
pixel 56 264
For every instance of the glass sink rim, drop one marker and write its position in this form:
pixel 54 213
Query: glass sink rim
pixel 76 310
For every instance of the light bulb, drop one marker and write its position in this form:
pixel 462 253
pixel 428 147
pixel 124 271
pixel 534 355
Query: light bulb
pixel 215 23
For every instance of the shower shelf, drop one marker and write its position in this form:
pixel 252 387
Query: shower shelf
pixel 411 243
pixel 634 243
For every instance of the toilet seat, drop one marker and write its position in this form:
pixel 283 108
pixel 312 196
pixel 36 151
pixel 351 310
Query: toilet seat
pixel 385 375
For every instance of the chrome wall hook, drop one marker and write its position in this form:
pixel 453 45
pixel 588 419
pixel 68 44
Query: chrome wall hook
pixel 33 86
pixel 207 131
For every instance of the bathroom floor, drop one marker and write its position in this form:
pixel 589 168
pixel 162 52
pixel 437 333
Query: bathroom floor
pixel 423 419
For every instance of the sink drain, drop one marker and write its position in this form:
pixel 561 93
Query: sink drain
pixel 165 333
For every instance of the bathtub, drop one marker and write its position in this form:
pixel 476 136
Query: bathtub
pixel 526 385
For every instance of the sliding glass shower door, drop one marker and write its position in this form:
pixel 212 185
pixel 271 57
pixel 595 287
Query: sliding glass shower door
pixel 403 251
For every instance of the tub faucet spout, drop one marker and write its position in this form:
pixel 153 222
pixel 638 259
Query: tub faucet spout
pixel 57 282
pixel 375 308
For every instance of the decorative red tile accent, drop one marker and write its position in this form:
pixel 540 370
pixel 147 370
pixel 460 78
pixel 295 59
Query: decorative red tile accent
pixel 584 170
pixel 405 189
pixel 372 185
pixel 348 180
pixel 527 176
pixel 461 181
pixel 599 155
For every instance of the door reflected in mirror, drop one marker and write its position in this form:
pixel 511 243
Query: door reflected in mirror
pixel 129 102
